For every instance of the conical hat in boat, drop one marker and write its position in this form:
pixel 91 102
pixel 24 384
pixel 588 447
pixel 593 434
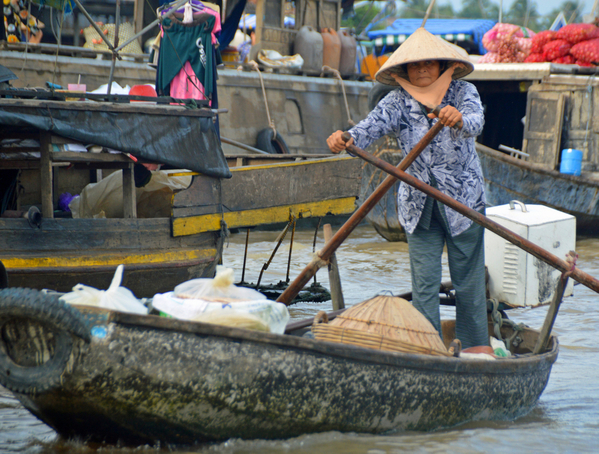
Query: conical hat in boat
pixel 384 323
pixel 423 45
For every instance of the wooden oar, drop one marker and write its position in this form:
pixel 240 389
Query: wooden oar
pixel 481 219
pixel 331 246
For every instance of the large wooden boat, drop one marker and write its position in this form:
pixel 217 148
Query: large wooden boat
pixel 561 114
pixel 184 239
pixel 109 376
pixel 304 108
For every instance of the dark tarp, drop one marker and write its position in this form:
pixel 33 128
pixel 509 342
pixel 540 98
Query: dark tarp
pixel 185 140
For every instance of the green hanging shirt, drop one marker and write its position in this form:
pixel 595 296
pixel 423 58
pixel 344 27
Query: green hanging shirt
pixel 182 43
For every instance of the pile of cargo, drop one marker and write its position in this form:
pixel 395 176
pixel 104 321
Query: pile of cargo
pixel 573 44
pixel 507 43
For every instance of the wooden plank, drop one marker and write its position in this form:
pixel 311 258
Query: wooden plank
pixel 108 258
pixel 286 184
pixel 249 218
pixel 543 129
pixel 137 108
pixel 74 235
pixel 46 176
pixel 138 18
pixel 129 196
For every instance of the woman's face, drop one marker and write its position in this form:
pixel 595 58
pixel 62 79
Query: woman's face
pixel 423 73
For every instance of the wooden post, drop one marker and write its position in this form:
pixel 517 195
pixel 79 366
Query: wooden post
pixel 47 192
pixel 129 197
pixel 334 279
pixel 138 18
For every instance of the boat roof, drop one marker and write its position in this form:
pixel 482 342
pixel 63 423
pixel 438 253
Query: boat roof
pixel 450 29
pixel 175 135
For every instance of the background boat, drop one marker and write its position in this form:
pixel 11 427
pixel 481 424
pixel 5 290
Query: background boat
pixel 182 237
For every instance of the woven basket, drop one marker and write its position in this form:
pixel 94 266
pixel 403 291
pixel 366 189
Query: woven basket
pixel 382 323
pixel 94 41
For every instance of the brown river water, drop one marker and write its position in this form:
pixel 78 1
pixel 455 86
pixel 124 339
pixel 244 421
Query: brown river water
pixel 566 418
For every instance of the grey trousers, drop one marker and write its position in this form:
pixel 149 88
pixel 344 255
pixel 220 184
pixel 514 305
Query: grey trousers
pixel 466 257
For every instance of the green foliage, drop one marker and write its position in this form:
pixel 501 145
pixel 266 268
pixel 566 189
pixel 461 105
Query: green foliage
pixel 524 12
pixel 572 13
pixel 364 15
pixel 416 9
pixel 479 9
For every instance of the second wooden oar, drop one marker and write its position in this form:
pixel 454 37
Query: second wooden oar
pixel 481 219
pixel 358 216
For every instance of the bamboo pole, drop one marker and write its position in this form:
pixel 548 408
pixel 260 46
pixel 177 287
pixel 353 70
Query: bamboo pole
pixel 358 216
pixel 334 278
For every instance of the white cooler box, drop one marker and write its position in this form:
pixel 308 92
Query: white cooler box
pixel 516 277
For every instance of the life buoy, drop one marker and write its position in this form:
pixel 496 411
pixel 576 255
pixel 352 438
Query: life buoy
pixel 34 367
pixel 378 92
pixel 267 141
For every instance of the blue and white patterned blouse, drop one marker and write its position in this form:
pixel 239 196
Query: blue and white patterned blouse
pixel 451 156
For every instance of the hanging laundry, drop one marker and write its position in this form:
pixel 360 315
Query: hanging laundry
pixel 183 43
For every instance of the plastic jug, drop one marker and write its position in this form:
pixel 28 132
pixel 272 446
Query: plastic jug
pixel 309 44
pixel 331 48
pixel 571 162
pixel 347 63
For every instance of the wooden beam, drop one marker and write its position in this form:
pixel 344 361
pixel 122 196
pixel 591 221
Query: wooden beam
pixel 46 175
pixel 138 18
pixel 334 278
pixel 129 198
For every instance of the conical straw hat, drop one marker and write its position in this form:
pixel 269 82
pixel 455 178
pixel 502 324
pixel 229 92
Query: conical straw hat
pixel 423 45
pixel 383 323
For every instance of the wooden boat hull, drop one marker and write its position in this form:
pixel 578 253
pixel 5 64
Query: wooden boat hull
pixel 508 178
pixel 65 252
pixel 148 379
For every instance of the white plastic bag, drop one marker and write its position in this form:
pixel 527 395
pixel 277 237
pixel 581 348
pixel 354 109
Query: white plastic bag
pixel 273 59
pixel 275 315
pixel 220 288
pixel 116 298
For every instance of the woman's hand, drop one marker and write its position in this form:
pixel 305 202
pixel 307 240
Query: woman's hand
pixel 336 142
pixel 449 116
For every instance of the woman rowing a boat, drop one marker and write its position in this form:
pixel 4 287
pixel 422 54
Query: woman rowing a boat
pixel 426 70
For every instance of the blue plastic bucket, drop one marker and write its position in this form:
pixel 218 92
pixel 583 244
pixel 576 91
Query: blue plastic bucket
pixel 571 162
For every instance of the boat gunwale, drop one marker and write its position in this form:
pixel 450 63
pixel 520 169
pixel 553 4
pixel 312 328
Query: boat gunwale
pixel 533 167
pixel 436 364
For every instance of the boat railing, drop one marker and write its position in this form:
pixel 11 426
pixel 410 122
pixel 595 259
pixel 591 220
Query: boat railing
pixel 514 152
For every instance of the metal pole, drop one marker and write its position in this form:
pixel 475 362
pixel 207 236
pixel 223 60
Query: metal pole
pixel 152 25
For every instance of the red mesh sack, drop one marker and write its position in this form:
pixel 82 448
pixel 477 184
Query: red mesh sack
pixel 575 33
pixel 587 51
pixel 565 60
pixel 535 58
pixel 556 49
pixel 540 39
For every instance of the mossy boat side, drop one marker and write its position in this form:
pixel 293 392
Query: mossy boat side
pixel 111 376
